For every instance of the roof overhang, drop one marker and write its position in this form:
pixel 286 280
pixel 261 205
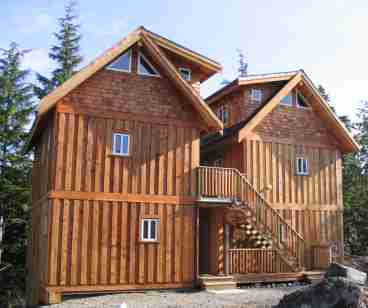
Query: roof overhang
pixel 140 35
pixel 341 133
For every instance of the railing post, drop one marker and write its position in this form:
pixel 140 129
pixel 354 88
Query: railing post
pixel 199 192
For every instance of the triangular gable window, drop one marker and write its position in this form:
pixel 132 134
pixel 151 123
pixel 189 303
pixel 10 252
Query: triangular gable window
pixel 145 67
pixel 302 101
pixel 123 63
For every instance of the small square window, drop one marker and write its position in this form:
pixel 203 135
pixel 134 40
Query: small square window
pixel 256 95
pixel 185 73
pixel 121 144
pixel 149 232
pixel 287 100
pixel 302 166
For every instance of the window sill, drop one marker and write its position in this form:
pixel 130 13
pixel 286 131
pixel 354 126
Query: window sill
pixel 148 242
pixel 119 155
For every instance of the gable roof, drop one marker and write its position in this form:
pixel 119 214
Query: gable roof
pixel 148 39
pixel 292 79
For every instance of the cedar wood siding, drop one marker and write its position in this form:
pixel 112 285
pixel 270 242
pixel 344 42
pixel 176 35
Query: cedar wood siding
pixel 311 204
pixel 93 237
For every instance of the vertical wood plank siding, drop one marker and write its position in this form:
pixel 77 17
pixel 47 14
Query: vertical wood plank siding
pixel 98 243
pixel 319 187
pixel 162 161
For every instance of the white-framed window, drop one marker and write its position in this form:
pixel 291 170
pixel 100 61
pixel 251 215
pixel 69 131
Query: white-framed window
pixel 301 101
pixel 149 231
pixel 145 67
pixel 121 144
pixel 123 63
pixel 302 166
pixel 287 100
pixel 256 95
pixel 186 73
pixel 223 114
pixel 283 236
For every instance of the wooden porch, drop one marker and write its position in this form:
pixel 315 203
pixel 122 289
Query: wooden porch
pixel 268 248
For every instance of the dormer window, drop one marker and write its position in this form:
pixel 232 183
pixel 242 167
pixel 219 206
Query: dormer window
pixel 186 73
pixel 256 95
pixel 287 100
pixel 301 101
pixel 122 63
pixel 145 67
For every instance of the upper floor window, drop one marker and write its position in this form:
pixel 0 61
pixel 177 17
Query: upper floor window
pixel 145 67
pixel 256 95
pixel 218 162
pixel 186 73
pixel 287 100
pixel 301 101
pixel 121 144
pixel 149 231
pixel 123 63
pixel 223 114
pixel 302 166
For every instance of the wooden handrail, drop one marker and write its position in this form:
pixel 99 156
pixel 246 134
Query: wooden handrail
pixel 217 182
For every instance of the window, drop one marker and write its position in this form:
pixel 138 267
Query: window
pixel 121 144
pixel 283 237
pixel 185 73
pixel 301 101
pixel 256 95
pixel 149 232
pixel 145 67
pixel 302 167
pixel 223 114
pixel 123 63
pixel 287 100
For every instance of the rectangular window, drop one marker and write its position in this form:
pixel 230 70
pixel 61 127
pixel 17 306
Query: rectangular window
pixel 121 144
pixel 287 100
pixel 302 166
pixel 283 237
pixel 185 73
pixel 256 95
pixel 149 232
pixel 219 162
pixel 223 114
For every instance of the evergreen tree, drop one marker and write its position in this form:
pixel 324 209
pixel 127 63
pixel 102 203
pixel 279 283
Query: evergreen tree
pixel 326 96
pixel 66 52
pixel 243 64
pixel 16 108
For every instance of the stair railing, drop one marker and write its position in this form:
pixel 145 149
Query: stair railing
pixel 217 182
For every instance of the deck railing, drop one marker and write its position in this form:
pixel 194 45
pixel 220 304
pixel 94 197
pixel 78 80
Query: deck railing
pixel 245 261
pixel 216 182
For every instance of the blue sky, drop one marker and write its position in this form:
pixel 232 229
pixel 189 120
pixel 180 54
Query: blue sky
pixel 326 38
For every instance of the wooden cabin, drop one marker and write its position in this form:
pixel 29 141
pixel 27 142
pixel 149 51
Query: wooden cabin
pixel 128 196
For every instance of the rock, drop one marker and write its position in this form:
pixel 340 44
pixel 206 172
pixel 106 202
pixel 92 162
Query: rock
pixel 339 270
pixel 335 292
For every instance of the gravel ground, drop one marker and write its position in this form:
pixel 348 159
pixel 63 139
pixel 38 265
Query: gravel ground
pixel 250 298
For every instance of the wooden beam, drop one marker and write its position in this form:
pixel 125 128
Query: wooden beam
pixel 103 196
pixel 269 106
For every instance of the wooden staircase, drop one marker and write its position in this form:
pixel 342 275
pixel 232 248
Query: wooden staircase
pixel 216 283
pixel 229 183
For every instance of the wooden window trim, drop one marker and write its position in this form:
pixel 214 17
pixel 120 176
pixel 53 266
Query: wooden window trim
pixel 158 223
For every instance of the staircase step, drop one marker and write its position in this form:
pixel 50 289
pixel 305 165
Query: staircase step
pixel 225 285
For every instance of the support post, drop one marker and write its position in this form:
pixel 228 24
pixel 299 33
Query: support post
pixel 227 241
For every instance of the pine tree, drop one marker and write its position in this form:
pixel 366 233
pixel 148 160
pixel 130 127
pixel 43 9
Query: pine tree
pixel 66 52
pixel 243 64
pixel 326 96
pixel 16 109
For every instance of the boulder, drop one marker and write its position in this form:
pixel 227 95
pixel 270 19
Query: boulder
pixel 339 270
pixel 334 292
